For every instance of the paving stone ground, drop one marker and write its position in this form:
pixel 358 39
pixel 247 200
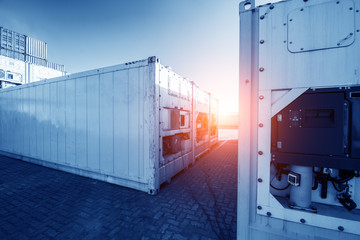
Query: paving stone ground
pixel 42 203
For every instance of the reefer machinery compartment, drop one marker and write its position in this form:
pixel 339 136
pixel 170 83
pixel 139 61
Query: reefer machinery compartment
pixel 128 124
pixel 299 120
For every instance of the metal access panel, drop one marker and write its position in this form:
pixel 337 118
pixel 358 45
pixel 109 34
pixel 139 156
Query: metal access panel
pixel 319 128
pixel 308 30
pixel 312 124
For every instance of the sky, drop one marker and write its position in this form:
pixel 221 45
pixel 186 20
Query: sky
pixel 199 39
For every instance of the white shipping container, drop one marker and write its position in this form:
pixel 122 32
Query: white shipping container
pixel 128 124
pixel 299 82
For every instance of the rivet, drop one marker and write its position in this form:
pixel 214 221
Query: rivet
pixel 301 49
pixel 259 207
pixel 262 17
pixel 261 69
pixel 290 20
pixel 262 41
pixel 284 41
pixel 284 24
pixel 337 2
pixel 302 9
pixel 260 153
pixel 261 97
pixel 271 7
pixel 259 180
pixel 268 214
pixel 261 125
pixel 302 220
pixel 341 228
pixel 357 10
pixel 350 9
pixel 358 30
pixel 247 81
pixel 290 42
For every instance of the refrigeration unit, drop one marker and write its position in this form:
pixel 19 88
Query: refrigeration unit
pixel 299 133
pixel 129 124
pixel 214 122
pixel 23 59
pixel 201 121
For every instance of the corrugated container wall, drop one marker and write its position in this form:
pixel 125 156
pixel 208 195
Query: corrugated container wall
pixel 99 123
pixel 128 124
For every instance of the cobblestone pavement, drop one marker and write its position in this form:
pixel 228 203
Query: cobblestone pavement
pixel 41 203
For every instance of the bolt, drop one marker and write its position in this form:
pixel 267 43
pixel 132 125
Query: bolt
pixel 259 180
pixel 260 153
pixel 261 69
pixel 341 228
pixel 302 220
pixel 262 41
pixel 261 125
pixel 262 17
pixel 261 97
pixel 268 214
pixel 259 207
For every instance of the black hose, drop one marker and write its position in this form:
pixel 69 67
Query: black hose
pixel 280 189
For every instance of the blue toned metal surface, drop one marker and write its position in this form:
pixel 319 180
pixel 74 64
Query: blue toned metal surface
pixel 93 123
pixel 271 77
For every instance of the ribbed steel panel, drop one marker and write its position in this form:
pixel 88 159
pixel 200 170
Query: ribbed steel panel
pixel 36 48
pixel 97 123
pixel 12 44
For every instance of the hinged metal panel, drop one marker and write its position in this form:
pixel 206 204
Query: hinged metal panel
pixel 309 30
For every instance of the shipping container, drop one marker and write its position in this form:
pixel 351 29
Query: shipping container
pixel 214 122
pixel 299 151
pixel 129 124
pixel 202 121
pixel 24 48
